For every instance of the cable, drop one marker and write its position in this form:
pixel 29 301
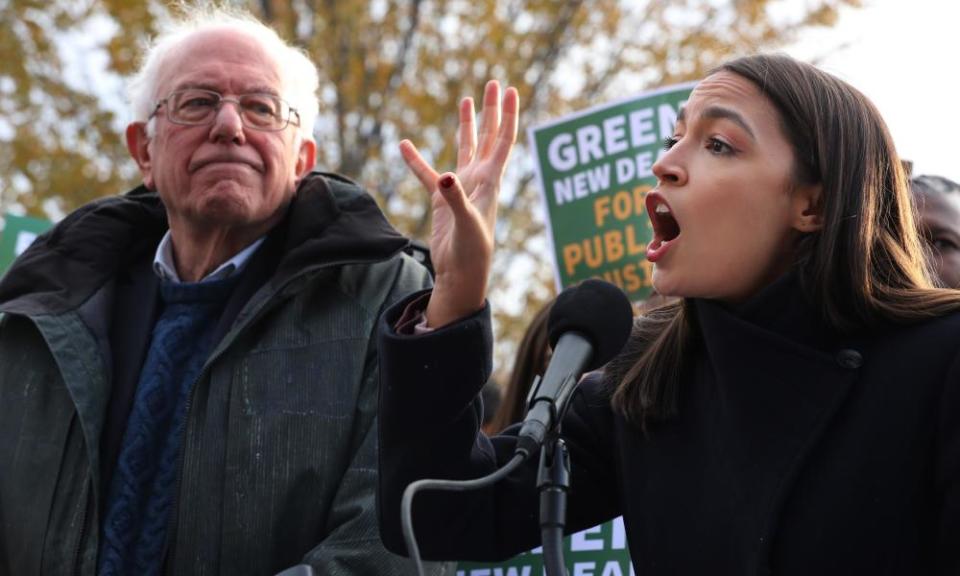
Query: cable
pixel 406 504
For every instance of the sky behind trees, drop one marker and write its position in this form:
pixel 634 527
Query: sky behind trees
pixel 900 54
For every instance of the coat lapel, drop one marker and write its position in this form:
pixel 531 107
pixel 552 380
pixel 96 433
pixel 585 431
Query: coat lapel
pixel 778 378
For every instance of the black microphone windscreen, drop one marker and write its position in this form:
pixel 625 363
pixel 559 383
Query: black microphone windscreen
pixel 598 311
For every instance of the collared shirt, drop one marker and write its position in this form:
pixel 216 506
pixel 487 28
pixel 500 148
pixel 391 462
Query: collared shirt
pixel 164 267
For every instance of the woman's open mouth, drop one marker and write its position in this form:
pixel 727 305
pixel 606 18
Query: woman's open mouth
pixel 665 226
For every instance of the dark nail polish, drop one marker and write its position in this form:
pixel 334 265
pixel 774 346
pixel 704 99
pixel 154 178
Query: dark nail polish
pixel 447 181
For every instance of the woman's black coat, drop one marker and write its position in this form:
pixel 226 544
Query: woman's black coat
pixel 796 451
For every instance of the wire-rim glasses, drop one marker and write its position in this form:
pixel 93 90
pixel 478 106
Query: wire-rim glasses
pixel 198 107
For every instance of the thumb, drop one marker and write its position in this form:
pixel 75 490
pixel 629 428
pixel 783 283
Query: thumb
pixel 452 191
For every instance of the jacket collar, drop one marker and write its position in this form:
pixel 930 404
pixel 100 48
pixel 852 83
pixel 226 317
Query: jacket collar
pixel 330 219
pixel 781 375
pixel 776 364
pixel 782 308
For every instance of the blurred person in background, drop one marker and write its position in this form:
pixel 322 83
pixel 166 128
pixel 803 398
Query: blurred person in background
pixel 530 361
pixel 938 205
pixel 188 372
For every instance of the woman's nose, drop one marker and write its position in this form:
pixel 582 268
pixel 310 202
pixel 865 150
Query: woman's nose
pixel 669 167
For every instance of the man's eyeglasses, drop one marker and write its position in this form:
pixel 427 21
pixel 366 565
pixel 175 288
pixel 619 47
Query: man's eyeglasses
pixel 196 107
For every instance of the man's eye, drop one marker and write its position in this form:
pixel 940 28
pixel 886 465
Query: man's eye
pixel 259 106
pixel 199 102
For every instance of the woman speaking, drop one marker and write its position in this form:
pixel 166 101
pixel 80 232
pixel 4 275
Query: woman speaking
pixel 796 411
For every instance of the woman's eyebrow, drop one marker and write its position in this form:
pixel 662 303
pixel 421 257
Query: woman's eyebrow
pixel 721 113
pixel 941 229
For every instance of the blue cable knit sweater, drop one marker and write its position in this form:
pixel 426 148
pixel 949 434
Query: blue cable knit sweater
pixel 137 510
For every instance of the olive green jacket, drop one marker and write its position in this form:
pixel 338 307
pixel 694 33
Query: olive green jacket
pixel 278 461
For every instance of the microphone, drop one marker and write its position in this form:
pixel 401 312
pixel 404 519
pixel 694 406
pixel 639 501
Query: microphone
pixel 588 325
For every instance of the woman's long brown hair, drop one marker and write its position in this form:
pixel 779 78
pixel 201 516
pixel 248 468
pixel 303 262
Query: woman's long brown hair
pixel 864 267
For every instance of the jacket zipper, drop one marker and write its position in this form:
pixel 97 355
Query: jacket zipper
pixel 172 524
pixel 83 530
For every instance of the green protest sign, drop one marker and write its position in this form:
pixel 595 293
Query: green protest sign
pixel 598 551
pixel 594 169
pixel 18 233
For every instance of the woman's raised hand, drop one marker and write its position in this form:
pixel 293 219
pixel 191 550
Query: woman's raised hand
pixel 465 204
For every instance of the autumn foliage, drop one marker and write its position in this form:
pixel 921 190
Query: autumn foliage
pixel 390 69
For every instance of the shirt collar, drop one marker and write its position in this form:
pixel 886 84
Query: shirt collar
pixel 164 267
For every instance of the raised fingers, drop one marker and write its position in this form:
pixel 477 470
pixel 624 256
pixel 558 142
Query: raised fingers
pixel 420 168
pixel 467 133
pixel 507 134
pixel 489 117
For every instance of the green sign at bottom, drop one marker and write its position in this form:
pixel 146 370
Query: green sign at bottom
pixel 597 551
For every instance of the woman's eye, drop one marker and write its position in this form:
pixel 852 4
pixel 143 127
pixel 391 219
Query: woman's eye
pixel 943 244
pixel 717 146
pixel 669 142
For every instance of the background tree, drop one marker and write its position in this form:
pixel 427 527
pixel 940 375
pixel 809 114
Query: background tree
pixel 389 69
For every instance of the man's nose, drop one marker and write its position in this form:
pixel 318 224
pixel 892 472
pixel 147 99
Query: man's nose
pixel 227 124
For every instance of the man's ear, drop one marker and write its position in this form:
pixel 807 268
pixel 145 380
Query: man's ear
pixel 138 146
pixel 807 208
pixel 306 157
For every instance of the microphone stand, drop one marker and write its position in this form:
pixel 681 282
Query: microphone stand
pixel 553 481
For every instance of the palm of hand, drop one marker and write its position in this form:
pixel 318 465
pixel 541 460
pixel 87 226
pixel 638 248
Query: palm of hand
pixel 464 204
pixel 482 207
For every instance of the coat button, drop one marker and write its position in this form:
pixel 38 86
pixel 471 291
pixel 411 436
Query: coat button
pixel 849 358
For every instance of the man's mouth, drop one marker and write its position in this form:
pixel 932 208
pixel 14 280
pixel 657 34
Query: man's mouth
pixel 223 160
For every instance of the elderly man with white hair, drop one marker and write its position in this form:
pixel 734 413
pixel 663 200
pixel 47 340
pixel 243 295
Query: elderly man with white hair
pixel 188 372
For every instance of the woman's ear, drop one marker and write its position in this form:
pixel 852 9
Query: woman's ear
pixel 807 208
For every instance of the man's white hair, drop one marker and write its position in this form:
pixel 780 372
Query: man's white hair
pixel 298 72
